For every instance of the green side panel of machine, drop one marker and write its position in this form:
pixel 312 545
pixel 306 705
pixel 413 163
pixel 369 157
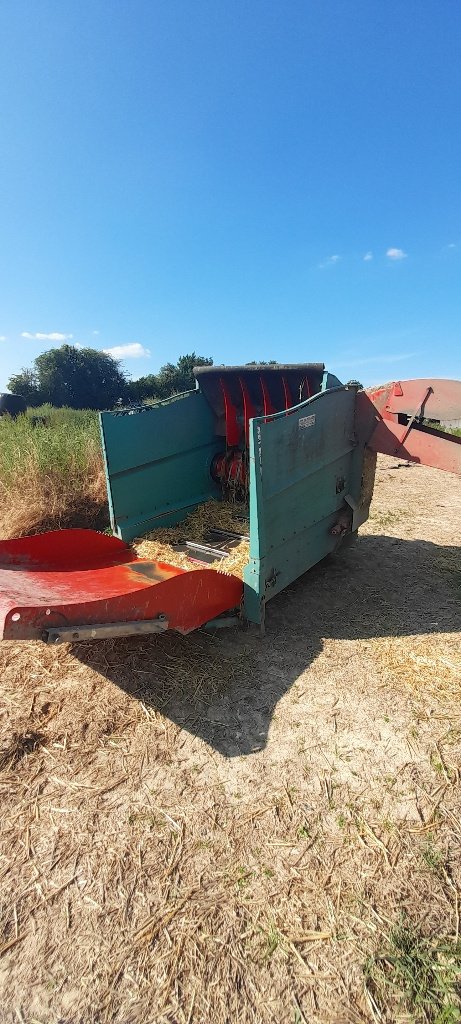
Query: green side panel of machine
pixel 330 381
pixel 305 467
pixel 157 462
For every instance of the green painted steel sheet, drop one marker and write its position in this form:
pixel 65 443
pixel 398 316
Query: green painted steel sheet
pixel 302 466
pixel 158 462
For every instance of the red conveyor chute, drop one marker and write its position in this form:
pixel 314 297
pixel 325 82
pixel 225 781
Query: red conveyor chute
pixel 77 577
pixel 399 419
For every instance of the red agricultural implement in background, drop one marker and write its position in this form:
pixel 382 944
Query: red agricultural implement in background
pixel 292 446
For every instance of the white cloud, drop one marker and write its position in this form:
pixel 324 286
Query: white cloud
pixel 2 337
pixel 368 256
pixel 448 250
pixel 329 261
pixel 396 254
pixel 54 336
pixel 131 351
pixel 96 332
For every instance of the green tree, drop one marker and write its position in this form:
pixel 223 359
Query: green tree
pixel 81 378
pixel 143 387
pixel 174 378
pixel 26 383
pixel 84 378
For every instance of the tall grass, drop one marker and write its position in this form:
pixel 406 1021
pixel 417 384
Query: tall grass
pixel 51 473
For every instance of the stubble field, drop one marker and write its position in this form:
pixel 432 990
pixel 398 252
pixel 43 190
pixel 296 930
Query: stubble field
pixel 246 828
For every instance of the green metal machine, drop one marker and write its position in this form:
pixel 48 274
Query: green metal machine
pixel 291 443
pixel 292 470
pixel 291 446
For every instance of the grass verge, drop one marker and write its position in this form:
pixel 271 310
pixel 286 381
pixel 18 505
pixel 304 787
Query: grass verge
pixel 51 472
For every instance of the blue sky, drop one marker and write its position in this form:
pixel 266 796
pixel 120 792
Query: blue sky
pixel 248 179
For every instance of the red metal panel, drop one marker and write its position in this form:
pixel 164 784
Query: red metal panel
pixel 441 399
pixel 267 404
pixel 388 420
pixel 430 448
pixel 35 595
pixel 64 549
pixel 249 410
pixel 233 430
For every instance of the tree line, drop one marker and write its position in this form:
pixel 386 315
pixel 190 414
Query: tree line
pixel 84 378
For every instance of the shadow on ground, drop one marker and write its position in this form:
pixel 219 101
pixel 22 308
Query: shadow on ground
pixel 224 688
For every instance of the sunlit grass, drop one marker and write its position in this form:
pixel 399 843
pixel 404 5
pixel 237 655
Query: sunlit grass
pixel 51 471
pixel 416 975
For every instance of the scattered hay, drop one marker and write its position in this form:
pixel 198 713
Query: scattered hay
pixel 368 477
pixel 429 663
pixel 160 545
pixel 152 879
pixel 236 560
pixel 162 551
pixel 20 745
pixel 211 515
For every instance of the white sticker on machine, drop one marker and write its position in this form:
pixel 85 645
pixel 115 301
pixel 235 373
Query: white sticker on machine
pixel 306 421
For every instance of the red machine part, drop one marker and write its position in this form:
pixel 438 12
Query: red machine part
pixel 230 412
pixel 78 577
pixel 268 407
pixel 249 410
pixel 230 470
pixel 390 418
pixel 241 404
pixel 233 418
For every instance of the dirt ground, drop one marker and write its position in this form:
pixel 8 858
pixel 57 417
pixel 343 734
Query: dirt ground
pixel 226 828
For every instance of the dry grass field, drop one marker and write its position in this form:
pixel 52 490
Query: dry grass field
pixel 238 829
pixel 51 472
